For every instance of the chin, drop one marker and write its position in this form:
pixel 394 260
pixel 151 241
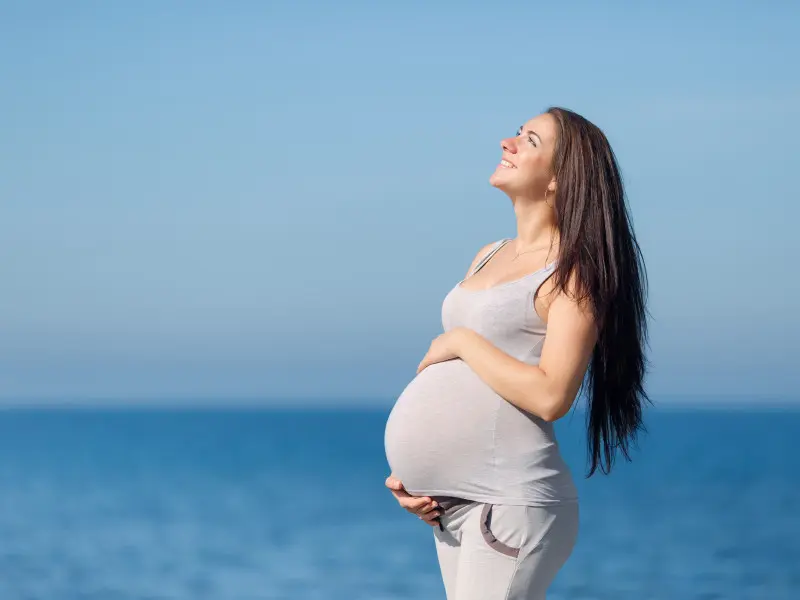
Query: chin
pixel 498 182
pixel 495 181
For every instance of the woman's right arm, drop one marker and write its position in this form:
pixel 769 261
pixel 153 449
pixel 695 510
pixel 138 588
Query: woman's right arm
pixel 422 506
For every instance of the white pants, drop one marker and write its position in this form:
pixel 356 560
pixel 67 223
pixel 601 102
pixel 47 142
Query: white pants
pixel 502 552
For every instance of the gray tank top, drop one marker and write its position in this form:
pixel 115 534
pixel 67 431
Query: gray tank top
pixel 450 434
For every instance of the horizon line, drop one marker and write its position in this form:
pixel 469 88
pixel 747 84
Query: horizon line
pixel 221 401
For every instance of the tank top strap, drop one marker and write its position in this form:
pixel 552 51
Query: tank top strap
pixel 550 267
pixel 499 244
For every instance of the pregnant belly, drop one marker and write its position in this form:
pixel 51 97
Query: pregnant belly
pixel 439 436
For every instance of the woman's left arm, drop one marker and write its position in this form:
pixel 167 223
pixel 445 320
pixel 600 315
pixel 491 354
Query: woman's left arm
pixel 548 389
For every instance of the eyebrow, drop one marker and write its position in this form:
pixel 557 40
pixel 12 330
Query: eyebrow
pixel 530 131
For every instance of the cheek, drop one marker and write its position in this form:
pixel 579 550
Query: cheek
pixel 534 167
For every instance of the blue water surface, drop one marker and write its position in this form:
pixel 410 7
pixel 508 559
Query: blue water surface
pixel 277 504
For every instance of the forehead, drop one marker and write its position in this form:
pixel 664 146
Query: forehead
pixel 544 125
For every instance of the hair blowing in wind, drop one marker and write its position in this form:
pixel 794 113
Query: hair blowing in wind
pixel 598 245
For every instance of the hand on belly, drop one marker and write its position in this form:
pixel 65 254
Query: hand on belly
pixel 423 507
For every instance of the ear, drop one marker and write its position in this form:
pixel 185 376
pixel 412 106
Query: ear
pixel 551 187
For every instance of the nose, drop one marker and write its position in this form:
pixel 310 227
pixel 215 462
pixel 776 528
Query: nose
pixel 509 145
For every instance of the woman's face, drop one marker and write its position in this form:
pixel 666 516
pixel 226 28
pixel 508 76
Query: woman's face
pixel 525 167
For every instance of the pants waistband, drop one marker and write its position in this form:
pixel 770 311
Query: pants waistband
pixel 447 504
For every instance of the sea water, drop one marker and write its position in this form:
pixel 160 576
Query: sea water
pixel 290 504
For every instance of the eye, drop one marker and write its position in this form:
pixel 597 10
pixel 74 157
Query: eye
pixel 530 137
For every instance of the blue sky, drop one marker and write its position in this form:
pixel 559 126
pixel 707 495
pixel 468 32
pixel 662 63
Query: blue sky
pixel 271 200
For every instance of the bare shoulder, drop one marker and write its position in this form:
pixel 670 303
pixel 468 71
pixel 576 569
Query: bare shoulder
pixel 570 305
pixel 480 254
pixel 567 300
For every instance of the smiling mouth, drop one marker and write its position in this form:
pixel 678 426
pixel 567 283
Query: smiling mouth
pixel 504 163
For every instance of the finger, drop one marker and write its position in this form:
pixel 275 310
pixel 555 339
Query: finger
pixel 431 519
pixel 394 483
pixel 412 503
pixel 421 505
pixel 416 504
pixel 408 502
pixel 425 509
pixel 399 491
pixel 402 495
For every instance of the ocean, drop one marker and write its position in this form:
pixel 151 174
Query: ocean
pixel 246 504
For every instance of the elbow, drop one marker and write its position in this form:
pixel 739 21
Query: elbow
pixel 554 409
pixel 546 397
pixel 550 415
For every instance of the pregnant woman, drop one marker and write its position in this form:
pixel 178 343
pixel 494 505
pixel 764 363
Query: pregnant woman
pixel 561 307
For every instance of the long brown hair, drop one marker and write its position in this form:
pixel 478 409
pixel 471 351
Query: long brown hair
pixel 597 244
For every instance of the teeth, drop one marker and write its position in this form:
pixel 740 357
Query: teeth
pixel 507 164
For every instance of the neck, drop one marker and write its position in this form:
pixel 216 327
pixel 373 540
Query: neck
pixel 536 224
